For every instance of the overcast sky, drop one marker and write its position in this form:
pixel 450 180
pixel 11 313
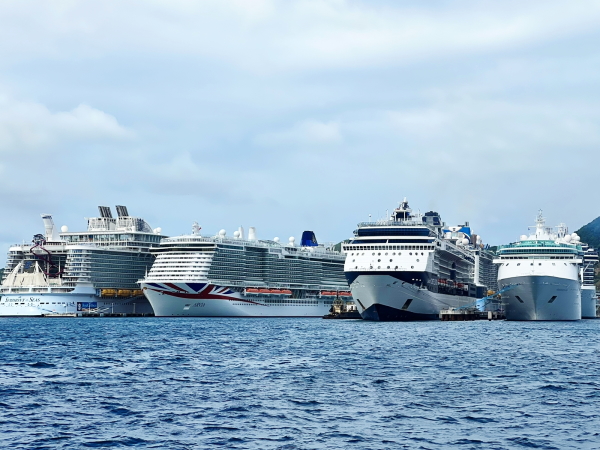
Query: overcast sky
pixel 292 115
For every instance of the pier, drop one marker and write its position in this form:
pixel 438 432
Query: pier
pixel 467 314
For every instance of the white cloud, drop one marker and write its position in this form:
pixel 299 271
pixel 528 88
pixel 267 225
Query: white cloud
pixel 28 125
pixel 299 113
pixel 270 36
pixel 306 132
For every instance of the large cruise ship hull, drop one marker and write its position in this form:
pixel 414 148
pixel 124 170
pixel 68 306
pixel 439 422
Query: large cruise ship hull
pixel 588 302
pixel 196 299
pixel 539 297
pixel 385 298
pixel 77 302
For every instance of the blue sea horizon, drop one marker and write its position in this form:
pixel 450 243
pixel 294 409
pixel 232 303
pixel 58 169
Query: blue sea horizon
pixel 194 383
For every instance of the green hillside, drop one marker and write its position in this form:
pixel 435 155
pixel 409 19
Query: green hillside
pixel 590 233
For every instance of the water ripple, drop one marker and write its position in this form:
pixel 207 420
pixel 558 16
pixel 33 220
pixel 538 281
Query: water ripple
pixel 297 384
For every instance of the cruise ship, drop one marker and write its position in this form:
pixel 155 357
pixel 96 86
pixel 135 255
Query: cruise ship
pixel 540 274
pixel 588 288
pixel 412 266
pixel 223 276
pixel 92 271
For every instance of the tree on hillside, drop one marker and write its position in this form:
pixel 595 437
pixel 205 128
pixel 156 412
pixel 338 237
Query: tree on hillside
pixel 590 233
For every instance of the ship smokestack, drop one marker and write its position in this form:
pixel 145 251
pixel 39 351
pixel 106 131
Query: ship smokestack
pixel 51 233
pixel 252 234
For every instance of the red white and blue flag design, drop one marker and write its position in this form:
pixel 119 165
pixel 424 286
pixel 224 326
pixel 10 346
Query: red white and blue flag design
pixel 197 291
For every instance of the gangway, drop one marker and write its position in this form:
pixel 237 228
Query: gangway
pixel 484 300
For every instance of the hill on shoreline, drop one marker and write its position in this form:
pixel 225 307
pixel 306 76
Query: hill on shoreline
pixel 590 233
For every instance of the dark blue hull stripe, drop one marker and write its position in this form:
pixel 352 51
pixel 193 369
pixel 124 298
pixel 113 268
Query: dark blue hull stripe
pixel 384 313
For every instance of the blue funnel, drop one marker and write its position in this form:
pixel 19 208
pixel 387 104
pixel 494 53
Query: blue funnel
pixel 308 239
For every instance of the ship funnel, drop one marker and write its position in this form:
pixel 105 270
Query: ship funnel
pixel 51 232
pixel 195 229
pixel 308 239
pixel 252 234
pixel 241 231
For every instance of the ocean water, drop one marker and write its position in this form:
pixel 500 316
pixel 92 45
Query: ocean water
pixel 298 384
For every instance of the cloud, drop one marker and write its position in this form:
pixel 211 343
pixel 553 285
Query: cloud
pixel 31 126
pixel 302 114
pixel 306 132
pixel 279 35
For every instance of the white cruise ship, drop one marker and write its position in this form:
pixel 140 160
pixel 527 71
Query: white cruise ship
pixel 542 272
pixel 221 276
pixel 412 266
pixel 92 271
pixel 588 288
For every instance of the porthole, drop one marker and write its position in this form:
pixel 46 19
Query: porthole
pixel 385 253
pixel 410 253
pixel 373 253
pixel 390 260
pixel 388 267
pixel 417 259
pixel 353 260
pixel 378 260
pixel 394 254
pixel 379 267
pixel 412 267
pixel 378 254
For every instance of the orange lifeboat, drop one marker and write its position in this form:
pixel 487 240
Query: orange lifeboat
pixel 252 291
pixel 328 294
pixel 286 292
pixel 345 294
pixel 264 292
pixel 275 292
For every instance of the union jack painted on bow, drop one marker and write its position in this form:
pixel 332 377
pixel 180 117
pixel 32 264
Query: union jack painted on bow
pixel 197 291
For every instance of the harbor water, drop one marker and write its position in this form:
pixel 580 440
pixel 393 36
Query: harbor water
pixel 70 383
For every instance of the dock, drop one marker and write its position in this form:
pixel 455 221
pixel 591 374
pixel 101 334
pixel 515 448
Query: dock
pixel 468 314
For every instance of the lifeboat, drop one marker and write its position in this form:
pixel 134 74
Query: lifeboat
pixel 345 294
pixel 275 292
pixel 108 293
pixel 252 291
pixel 264 291
pixel 442 281
pixel 286 292
pixel 136 292
pixel 328 294
pixel 124 293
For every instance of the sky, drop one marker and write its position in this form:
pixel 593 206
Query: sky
pixel 298 115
